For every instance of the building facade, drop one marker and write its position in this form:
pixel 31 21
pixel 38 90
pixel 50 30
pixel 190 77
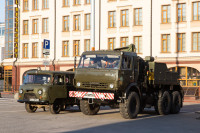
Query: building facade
pixel 2 45
pixel 172 31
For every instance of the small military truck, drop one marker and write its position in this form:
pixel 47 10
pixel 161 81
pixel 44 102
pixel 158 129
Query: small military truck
pixel 120 78
pixel 41 89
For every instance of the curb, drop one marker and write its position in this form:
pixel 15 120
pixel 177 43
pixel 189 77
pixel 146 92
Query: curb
pixel 192 101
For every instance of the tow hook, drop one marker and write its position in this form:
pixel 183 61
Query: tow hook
pixel 90 101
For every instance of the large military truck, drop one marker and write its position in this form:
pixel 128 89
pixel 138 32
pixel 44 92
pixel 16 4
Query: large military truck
pixel 41 89
pixel 121 78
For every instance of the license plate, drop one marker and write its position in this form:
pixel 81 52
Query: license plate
pixel 34 100
pixel 89 95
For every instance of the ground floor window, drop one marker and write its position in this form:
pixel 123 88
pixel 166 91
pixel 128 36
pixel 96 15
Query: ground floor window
pixel 8 80
pixel 188 76
pixel 1 73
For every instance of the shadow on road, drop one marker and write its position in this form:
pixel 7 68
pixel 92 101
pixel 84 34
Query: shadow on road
pixel 184 122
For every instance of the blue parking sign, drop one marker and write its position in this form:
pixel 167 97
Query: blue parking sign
pixel 46 47
pixel 46 44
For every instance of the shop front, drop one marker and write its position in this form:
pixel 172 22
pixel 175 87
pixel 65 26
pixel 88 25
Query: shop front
pixel 189 79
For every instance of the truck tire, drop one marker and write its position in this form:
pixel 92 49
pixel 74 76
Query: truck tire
pixel 164 103
pixel 131 107
pixel 89 109
pixel 29 108
pixel 55 108
pixel 176 102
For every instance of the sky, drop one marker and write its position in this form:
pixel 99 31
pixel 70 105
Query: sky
pixel 2 10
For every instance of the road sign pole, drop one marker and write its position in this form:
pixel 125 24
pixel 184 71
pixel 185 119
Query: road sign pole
pixel 45 59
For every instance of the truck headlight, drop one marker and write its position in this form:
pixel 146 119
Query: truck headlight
pixel 111 86
pixel 20 91
pixel 78 84
pixel 40 92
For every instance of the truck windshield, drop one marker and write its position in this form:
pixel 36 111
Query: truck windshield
pixel 99 61
pixel 37 79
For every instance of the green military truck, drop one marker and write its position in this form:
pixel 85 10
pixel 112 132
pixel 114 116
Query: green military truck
pixel 121 78
pixel 43 89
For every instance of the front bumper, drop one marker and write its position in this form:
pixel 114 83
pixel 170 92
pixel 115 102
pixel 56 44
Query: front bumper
pixel 92 95
pixel 36 101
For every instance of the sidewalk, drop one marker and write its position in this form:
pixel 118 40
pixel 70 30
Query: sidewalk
pixel 6 95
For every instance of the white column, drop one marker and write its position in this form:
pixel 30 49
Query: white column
pixel 92 25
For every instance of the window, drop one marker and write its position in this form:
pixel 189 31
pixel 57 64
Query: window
pixel 87 45
pixel 111 43
pixel 111 19
pixel 25 50
pixel 165 43
pixel 65 49
pixel 87 21
pixel 87 1
pixel 34 50
pixel 35 26
pixel 166 14
pixel 138 16
pixel 45 4
pixel 77 2
pixel 76 47
pixel 45 25
pixel 25 27
pixel 66 3
pixel 196 10
pixel 181 12
pixel 58 80
pixel 196 41
pixel 124 41
pixel 126 62
pixel 66 23
pixel 188 76
pixel 124 18
pixel 25 5
pixel 77 23
pixel 138 44
pixel 35 5
pixel 8 80
pixel 181 42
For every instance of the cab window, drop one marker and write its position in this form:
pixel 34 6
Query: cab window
pixel 67 80
pixel 126 62
pixel 58 80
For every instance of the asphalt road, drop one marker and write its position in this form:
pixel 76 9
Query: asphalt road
pixel 14 119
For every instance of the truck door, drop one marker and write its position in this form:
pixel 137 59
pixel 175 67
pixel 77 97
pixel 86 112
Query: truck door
pixel 58 90
pixel 127 72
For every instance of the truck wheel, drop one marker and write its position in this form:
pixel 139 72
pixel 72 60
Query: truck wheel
pixel 176 102
pixel 131 107
pixel 89 109
pixel 29 108
pixel 164 103
pixel 55 108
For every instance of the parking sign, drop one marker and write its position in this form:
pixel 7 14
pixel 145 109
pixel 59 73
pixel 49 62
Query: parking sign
pixel 46 47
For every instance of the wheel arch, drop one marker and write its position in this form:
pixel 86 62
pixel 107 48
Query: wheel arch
pixel 179 89
pixel 132 87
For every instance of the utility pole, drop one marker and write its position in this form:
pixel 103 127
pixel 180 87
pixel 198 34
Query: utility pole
pixel 151 31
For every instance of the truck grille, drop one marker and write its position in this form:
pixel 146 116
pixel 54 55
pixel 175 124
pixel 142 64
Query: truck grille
pixel 94 85
pixel 28 96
